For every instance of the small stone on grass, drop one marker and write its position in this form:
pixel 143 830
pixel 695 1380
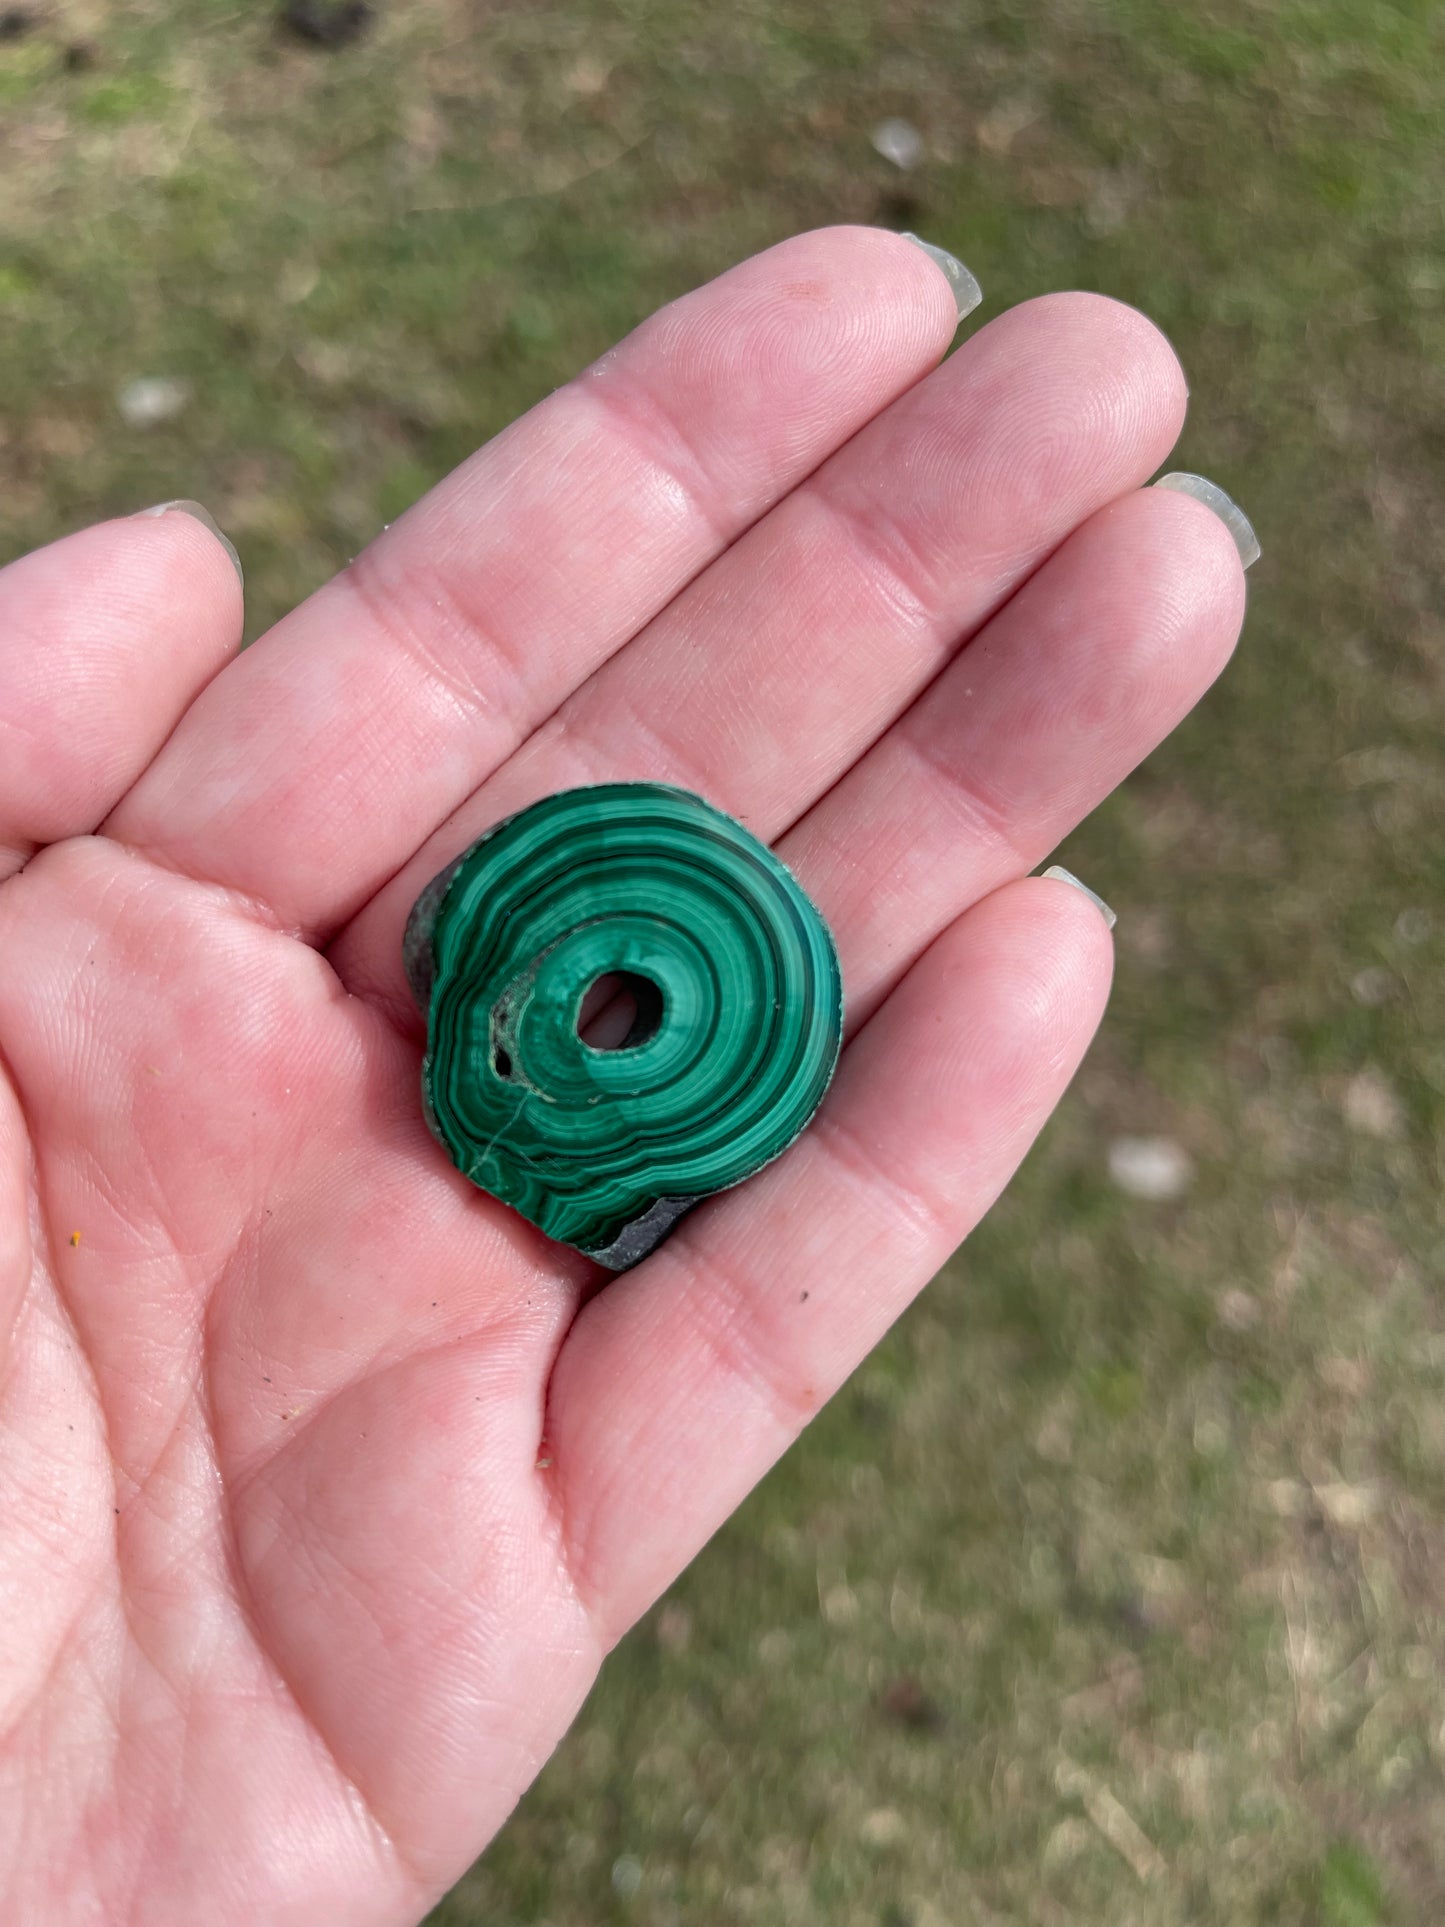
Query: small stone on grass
pixel 898 141
pixel 151 399
pixel 1371 1105
pixel 1150 1167
pixel 626 1876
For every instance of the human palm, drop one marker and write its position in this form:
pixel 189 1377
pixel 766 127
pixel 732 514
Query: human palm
pixel 326 1481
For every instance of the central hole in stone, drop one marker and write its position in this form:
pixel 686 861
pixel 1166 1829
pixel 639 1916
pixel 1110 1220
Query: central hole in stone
pixel 619 1011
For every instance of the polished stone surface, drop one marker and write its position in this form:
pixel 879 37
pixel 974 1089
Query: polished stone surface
pixel 738 1025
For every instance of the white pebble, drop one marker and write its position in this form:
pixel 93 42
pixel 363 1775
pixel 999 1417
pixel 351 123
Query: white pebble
pixel 1150 1167
pixel 884 1827
pixel 1238 1310
pixel 152 399
pixel 1371 1105
pixel 898 141
pixel 626 1876
pixel 1412 926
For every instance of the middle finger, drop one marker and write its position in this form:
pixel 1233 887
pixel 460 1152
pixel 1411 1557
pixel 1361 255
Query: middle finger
pixel 769 676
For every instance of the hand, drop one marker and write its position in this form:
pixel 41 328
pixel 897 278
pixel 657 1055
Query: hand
pixel 325 1481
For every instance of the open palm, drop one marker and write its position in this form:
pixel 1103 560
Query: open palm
pixel 326 1481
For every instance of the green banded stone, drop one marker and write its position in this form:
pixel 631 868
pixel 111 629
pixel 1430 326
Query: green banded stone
pixel 740 1015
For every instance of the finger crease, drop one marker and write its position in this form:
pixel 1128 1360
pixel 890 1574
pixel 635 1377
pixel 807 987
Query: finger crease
pixel 644 745
pixel 726 1324
pixel 861 1170
pixel 460 639
pixel 964 792
pixel 662 440
pixel 893 554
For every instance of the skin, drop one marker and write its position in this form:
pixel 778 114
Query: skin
pixel 326 1482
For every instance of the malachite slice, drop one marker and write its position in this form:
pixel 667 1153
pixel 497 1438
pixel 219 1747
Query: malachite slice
pixel 739 1002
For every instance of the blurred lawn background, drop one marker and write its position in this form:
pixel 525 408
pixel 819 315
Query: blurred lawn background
pixel 1112 1588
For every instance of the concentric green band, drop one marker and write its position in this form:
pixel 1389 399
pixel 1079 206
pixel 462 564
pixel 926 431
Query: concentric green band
pixel 605 1149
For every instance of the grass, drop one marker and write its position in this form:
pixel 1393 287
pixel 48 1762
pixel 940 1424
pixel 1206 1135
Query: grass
pixel 1112 1588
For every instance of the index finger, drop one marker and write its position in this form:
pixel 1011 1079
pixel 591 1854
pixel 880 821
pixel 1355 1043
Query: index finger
pixel 322 758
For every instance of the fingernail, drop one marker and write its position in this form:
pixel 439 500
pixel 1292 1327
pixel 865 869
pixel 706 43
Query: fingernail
pixel 966 291
pixel 1061 875
pixel 199 513
pixel 1225 507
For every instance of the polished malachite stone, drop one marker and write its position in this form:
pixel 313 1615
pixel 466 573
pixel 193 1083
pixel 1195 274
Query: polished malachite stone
pixel 739 1012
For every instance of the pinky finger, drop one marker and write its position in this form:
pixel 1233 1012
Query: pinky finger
pixel 106 637
pixel 683 1381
